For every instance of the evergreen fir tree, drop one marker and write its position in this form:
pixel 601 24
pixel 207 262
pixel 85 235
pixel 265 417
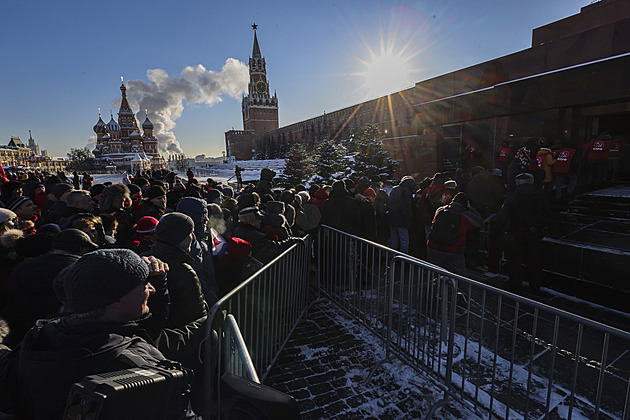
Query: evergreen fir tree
pixel 298 165
pixel 369 157
pixel 331 162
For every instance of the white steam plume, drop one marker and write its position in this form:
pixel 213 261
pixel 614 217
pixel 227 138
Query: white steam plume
pixel 163 96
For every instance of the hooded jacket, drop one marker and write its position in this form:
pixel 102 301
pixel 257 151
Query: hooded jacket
pixel 200 251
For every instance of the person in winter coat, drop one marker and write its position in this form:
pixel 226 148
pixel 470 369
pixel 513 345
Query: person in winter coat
pixel 447 238
pixel 249 229
pixel 200 250
pixel 264 185
pixel 274 224
pixel 319 198
pixel 145 235
pixel 155 204
pixel 174 237
pixel 596 153
pixel 399 215
pixel 341 211
pixel 367 214
pixel 109 292
pixel 522 220
pixel 60 192
pixel 236 265
pixel 31 296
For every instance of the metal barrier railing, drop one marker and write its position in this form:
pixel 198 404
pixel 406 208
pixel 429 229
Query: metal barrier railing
pixel 503 355
pixel 237 359
pixel 267 307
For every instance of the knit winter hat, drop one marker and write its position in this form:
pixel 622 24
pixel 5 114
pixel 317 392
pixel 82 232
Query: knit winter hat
pixel 155 191
pixel 146 225
pixel 60 189
pixel 140 181
pixel 238 248
pixel 102 277
pixel 134 189
pixel 16 202
pixel 174 227
pixel 6 214
pixel 214 196
pixel 370 192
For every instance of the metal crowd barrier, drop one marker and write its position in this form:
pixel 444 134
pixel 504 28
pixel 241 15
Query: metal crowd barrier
pixel 503 355
pixel 267 308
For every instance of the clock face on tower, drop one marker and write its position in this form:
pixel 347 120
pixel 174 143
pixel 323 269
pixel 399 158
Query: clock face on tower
pixel 261 87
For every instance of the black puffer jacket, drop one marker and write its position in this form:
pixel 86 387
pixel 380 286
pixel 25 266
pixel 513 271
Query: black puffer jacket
pixel 31 296
pixel 184 288
pixel 340 210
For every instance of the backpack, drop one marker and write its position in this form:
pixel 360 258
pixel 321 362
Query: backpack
pixel 445 227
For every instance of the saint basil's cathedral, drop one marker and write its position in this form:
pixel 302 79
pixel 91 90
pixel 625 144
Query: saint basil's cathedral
pixel 121 144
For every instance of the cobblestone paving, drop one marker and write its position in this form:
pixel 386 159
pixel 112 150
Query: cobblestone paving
pixel 325 365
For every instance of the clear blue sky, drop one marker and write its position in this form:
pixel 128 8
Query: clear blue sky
pixel 62 60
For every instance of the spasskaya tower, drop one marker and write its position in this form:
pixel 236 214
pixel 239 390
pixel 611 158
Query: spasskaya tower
pixel 260 109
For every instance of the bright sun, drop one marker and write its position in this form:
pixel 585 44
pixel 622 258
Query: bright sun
pixel 386 73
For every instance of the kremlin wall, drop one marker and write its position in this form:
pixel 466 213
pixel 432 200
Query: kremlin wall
pixel 572 83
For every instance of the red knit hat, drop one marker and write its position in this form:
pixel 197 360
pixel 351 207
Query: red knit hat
pixel 146 225
pixel 238 248
pixel 370 193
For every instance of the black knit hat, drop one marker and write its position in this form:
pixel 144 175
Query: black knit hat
pixel 60 189
pixel 102 277
pixel 174 227
pixel 17 202
pixel 155 191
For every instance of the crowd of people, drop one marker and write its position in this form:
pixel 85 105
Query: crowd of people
pixel 99 277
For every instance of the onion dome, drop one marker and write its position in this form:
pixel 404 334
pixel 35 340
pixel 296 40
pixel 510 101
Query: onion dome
pixel 112 125
pixel 100 127
pixel 147 125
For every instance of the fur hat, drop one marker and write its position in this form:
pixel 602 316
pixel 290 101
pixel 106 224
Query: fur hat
pixel 102 277
pixel 274 207
pixel 174 227
pixel 6 214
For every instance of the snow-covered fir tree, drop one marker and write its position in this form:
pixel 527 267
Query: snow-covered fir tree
pixel 298 165
pixel 369 158
pixel 331 162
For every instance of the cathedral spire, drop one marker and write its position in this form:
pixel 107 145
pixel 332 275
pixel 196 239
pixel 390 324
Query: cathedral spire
pixel 256 51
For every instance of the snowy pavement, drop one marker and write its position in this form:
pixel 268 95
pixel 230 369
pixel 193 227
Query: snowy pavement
pixel 326 364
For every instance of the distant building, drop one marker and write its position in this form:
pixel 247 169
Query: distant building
pixel 32 145
pixel 260 109
pixel 123 144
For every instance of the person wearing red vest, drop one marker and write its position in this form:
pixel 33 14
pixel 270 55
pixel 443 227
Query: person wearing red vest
pixel 565 171
pixel 614 154
pixel 597 157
